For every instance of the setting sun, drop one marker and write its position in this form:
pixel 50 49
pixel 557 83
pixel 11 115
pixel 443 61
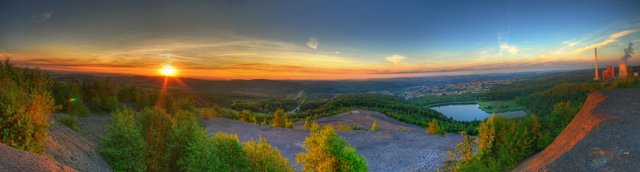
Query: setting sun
pixel 168 70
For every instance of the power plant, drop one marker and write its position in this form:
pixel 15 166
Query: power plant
pixel 623 69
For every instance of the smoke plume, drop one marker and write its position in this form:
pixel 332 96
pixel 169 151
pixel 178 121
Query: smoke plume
pixel 627 53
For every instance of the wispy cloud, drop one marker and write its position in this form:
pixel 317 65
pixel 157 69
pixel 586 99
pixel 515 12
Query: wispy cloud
pixel 570 43
pixel 43 16
pixel 313 43
pixel 611 39
pixel 395 59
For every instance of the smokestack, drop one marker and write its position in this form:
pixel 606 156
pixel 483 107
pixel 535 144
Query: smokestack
pixel 596 63
pixel 623 61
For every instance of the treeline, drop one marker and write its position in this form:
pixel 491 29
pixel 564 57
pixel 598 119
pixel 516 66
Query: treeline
pixel 393 107
pixel 503 143
pixel 434 100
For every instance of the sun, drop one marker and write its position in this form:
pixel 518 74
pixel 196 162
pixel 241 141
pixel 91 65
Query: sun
pixel 168 70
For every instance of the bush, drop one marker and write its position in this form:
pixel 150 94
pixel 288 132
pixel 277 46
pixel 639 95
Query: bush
pixel 279 118
pixel 156 125
pixel 327 151
pixel 123 145
pixel 374 126
pixel 307 123
pixel 264 157
pixel 202 154
pixel 433 128
pixel 25 103
pixel 183 127
pixel 70 121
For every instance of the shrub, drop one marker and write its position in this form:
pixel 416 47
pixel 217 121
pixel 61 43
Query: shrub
pixel 156 127
pixel 183 127
pixel 123 145
pixel 202 154
pixel 307 123
pixel 25 102
pixel 327 151
pixel 264 157
pixel 279 118
pixel 433 127
pixel 374 126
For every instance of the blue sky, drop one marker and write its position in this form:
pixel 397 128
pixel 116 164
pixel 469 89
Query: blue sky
pixel 316 39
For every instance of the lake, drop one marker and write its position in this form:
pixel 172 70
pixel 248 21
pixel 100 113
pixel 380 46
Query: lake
pixel 470 112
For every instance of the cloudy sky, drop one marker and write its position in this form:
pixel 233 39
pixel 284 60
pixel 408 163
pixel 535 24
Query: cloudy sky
pixel 329 39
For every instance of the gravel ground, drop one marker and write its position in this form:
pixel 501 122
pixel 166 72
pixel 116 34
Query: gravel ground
pixel 612 145
pixel 18 160
pixel 396 147
pixel 78 150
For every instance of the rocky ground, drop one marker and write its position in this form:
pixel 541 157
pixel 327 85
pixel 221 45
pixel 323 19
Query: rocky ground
pixel 604 136
pixel 396 147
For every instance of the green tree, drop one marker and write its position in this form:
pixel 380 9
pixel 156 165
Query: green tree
pixel 123 145
pixel 156 127
pixel 25 103
pixel 264 157
pixel 327 151
pixel 183 127
pixel 279 118
pixel 374 126
pixel 202 154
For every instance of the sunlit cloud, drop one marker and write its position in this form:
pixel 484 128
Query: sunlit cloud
pixel 611 39
pixel 313 43
pixel 395 59
pixel 509 48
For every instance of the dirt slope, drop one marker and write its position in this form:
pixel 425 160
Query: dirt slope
pixel 18 160
pixel 77 149
pixel 396 147
pixel 604 136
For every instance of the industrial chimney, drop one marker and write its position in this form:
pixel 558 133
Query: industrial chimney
pixel 596 63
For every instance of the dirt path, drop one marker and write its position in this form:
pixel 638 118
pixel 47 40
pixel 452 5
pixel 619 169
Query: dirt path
pixel 396 147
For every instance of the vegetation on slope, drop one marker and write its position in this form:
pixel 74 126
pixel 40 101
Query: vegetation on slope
pixel 503 143
pixel 328 151
pixel 393 107
pixel 25 104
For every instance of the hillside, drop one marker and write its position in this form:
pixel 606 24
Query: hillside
pixel 18 160
pixel 603 136
pixel 396 147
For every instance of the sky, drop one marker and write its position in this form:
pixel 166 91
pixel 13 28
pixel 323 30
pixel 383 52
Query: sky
pixel 329 39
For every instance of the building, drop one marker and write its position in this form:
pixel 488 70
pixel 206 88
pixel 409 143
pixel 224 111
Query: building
pixel 608 73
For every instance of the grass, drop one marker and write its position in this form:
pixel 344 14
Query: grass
pixel 500 106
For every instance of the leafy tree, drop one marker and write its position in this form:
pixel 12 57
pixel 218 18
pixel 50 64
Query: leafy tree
pixel 156 127
pixel 307 123
pixel 184 125
pixel 433 127
pixel 123 145
pixel 264 157
pixel 327 151
pixel 374 126
pixel 68 96
pixel 231 152
pixel 25 103
pixel 279 118
pixel 202 154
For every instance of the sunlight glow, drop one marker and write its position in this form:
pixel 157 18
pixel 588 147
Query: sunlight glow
pixel 168 70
